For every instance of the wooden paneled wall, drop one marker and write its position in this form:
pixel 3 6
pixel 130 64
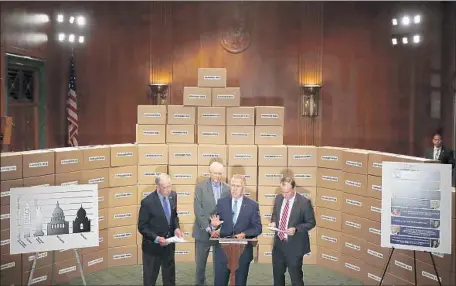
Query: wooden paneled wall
pixel 374 95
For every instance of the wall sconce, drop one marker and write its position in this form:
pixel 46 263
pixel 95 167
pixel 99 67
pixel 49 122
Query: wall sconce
pixel 310 94
pixel 159 93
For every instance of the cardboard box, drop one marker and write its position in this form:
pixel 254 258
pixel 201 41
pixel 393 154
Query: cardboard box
pixel 66 271
pixel 375 255
pixel 304 176
pixel 185 193
pixel 123 176
pixel 182 154
pixel 330 219
pixel 328 238
pixel 226 96
pixel 374 187
pixel 11 266
pixel 153 154
pixel 204 174
pixel 187 229
pixel 43 259
pixel 251 192
pixel 330 179
pixel 185 252
pixel 372 275
pixel 373 210
pixel 271 176
pixel 152 114
pixel 330 259
pixel 5 192
pixel 265 213
pixel 352 267
pixel 330 199
pixel 266 236
pixel 375 160
pixel 302 156
pixel 249 174
pixel 240 135
pixel 183 175
pixel 121 216
pixel 122 235
pixel 242 155
pixel 123 196
pixel 95 261
pixel 181 115
pixel 197 96
pixel 273 156
pixel 69 159
pixel 150 134
pixel 124 155
pixel 355 161
pixel 140 255
pixel 65 179
pixel 445 262
pixel 96 176
pixel 148 174
pixel 309 192
pixel 212 116
pixel 372 231
pixel 180 134
pixel 354 205
pixel 330 157
pixel 186 213
pixel 269 135
pixel 355 184
pixel 103 198
pixel 210 153
pixel 41 181
pixel 211 134
pixel 240 116
pixel 144 191
pixel 352 246
pixel 41 276
pixel 103 218
pixel 353 225
pixel 265 253
pixel 38 163
pixel 122 256
pixel 211 77
pixel 95 157
pixel 103 243
pixel 402 267
pixel 5 217
pixel 269 115
pixel 11 166
pixel 393 280
pixel 426 275
pixel 267 195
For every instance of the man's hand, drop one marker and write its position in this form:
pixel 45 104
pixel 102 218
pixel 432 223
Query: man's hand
pixel 178 233
pixel 162 241
pixel 215 221
pixel 291 231
pixel 240 235
pixel 215 233
pixel 272 224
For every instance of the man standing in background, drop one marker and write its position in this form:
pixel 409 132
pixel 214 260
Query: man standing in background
pixel 441 153
pixel 207 193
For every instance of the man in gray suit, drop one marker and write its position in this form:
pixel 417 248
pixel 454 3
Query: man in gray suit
pixel 206 195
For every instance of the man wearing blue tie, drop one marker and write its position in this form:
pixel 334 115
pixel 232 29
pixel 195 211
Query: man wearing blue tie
pixel 237 216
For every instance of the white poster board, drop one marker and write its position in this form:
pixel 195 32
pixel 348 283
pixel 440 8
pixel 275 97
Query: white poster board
pixel 53 218
pixel 416 206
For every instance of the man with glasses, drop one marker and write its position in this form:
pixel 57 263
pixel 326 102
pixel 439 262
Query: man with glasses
pixel 239 217
pixel 158 220
pixel 207 193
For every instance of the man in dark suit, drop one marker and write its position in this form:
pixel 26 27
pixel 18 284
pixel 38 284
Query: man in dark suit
pixel 294 216
pixel 207 194
pixel 158 221
pixel 241 219
pixel 441 153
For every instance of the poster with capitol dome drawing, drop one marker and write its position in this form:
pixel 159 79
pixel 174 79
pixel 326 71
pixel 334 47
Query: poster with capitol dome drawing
pixel 53 218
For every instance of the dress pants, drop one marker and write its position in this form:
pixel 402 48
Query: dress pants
pixel 201 253
pixel 283 257
pixel 153 262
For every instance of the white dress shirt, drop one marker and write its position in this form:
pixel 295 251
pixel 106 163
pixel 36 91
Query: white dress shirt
pixel 284 202
pixel 437 152
pixel 239 204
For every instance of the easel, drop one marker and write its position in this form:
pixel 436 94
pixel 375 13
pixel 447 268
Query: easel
pixel 76 254
pixel 414 267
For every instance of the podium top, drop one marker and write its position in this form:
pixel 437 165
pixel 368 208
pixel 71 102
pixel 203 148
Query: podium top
pixel 233 240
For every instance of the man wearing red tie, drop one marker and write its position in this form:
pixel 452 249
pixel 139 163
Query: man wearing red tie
pixel 294 216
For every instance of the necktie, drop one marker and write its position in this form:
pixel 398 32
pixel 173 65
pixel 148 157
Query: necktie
pixel 437 153
pixel 235 212
pixel 283 220
pixel 166 209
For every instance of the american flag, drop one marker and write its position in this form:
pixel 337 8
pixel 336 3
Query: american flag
pixel 72 107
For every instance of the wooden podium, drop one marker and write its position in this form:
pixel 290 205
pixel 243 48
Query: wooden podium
pixel 233 248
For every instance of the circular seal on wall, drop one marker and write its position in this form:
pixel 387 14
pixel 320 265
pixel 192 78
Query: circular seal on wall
pixel 235 40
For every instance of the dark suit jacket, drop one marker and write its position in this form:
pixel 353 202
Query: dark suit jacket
pixel 152 221
pixel 446 155
pixel 248 220
pixel 302 217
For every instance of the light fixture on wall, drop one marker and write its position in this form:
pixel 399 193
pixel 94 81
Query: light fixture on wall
pixel 159 93
pixel 310 94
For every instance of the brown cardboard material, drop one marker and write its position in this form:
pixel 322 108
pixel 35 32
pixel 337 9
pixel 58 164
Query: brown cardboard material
pixel 212 116
pixel 187 230
pixel 43 259
pixel 65 179
pixel 355 161
pixel 41 276
pixel 330 219
pixel 249 173
pixel 426 275
pixel 66 271
pixel 354 205
pixel 374 187
pixel 95 157
pixel 123 196
pixel 96 176
pixel 269 115
pixel 122 256
pixel 446 262
pixel 95 261
pixel 197 96
pixel 10 265
pixel 271 176
pixel 375 160
pixel 242 155
pixel 5 192
pixel 186 213
pixel 5 217
pixel 375 255
pixel 38 163
pixel 302 156
pixel 228 96
pixel 123 176
pixel 124 155
pixel 308 192
pixel 180 134
pixel 372 231
pixel 355 184
pixel 352 246
pixel 152 114
pixel 185 193
pixel 103 243
pixel 40 181
pixel 330 259
pixel 330 199
pixel 185 252
pixel 103 218
pixel 211 134
pixel 267 194
pixel 240 116
pixel 372 275
pixel 330 179
pixel 330 157
pixel 240 135
pixel 11 166
pixel 329 239
pixel 122 235
pixel 150 134
pixel 402 267
pixel 352 225
pixel 152 154
pixel 208 153
pixel 103 198
pixel 211 77
pixel 265 213
pixel 121 216
pixel 182 154
pixel 373 209
pixel 183 175
pixel 181 115
pixel 147 174
pixel 144 191
pixel 272 156
pixel 69 159
pixel 352 267
pixel 269 135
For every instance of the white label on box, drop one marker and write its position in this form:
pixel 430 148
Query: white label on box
pixel 377 165
pixel 101 199
pixel 4 242
pixel 123 216
pixel 40 255
pixel 211 134
pixel 124 175
pixel 267 215
pixel 182 252
pixel 225 96
pixel 183 212
pixel 240 134
pixel 212 77
pixel 330 158
pixel 151 132
pixel 124 154
pixel 95 261
pixel 353 183
pixel 69 161
pixel 373 277
pixel 66 270
pixel 303 176
pixel 328 218
pixel 38 279
pixel 210 115
pixel 183 194
pixel 96 158
pixel 430 276
pixel 122 256
pixel 70 183
pixel 205 174
pixel 151 156
pixel 4 216
pixel 268 135
pixel 5 194
pixel 8 169
pixel 352 224
pixel 152 114
pixel 273 176
pixel 268 234
pixel 375 209
pixel 329 257
pixel 122 235
pixel 272 156
pixel 7 265
pixel 96 180
pixel 100 239
pixel 151 174
pixel 330 178
pixel 353 267
pixel 330 239
pixel 375 231
pixel 354 164
pixel 211 155
pixel 101 218
pixel 181 115
pixel 38 164
pixel 179 132
pixel 243 156
pixel 269 115
pixel 123 195
pixel 403 265
pixel 374 253
pixel 302 157
pixel 245 176
pixel 145 194
pixel 353 202
pixel 352 246
pixel 267 253
pixel 329 199
pixel 270 196
pixel 241 116
pixel 183 176
pixel 183 155
pixel 377 188
pixel 197 96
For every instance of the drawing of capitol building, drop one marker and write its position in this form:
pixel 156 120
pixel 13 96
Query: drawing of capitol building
pixel 58 225
pixel 81 223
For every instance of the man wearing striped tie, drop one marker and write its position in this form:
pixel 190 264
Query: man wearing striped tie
pixel 294 217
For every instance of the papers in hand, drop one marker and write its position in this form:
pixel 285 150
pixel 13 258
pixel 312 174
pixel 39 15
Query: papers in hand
pixel 175 239
pixel 276 229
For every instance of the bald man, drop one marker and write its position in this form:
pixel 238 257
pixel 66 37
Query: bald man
pixel 207 193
